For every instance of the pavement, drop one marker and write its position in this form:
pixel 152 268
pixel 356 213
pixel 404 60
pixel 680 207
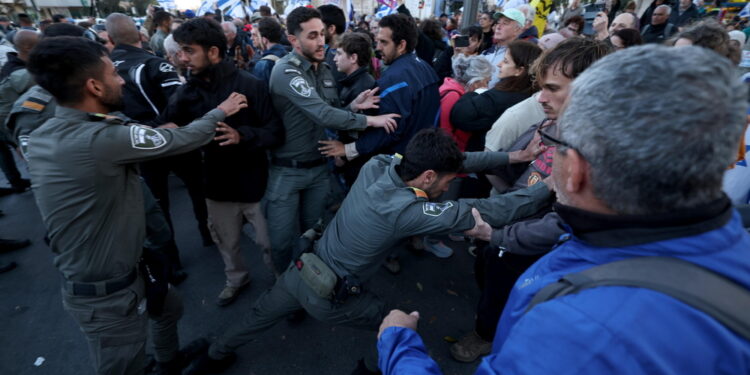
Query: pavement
pixel 38 337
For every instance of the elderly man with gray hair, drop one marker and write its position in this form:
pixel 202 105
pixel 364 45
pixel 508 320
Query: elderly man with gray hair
pixel 639 191
pixel 660 29
pixel 237 48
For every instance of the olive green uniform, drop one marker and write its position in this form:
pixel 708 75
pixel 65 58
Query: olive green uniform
pixel 379 212
pixel 90 196
pixel 306 99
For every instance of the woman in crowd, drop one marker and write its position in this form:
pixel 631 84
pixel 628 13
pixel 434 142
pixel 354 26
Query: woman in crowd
pixel 709 34
pixel 625 38
pixel 476 113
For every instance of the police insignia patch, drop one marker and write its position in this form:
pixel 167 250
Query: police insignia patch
pixel 166 67
pixel 23 143
pixel 145 138
pixel 435 209
pixel 300 86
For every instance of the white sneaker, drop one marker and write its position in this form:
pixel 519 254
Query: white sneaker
pixel 437 247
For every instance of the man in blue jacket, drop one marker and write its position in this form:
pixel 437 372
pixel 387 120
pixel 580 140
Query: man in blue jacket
pixel 611 138
pixel 408 87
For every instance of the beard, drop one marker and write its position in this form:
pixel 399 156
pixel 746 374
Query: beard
pixel 310 55
pixel 113 100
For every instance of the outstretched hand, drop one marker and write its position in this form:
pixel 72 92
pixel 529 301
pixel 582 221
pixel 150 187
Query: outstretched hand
pixel 398 318
pixel 229 135
pixel 366 100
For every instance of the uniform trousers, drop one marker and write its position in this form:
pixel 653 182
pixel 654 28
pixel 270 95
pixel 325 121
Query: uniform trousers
pixel 295 197
pixel 291 293
pixel 115 326
pixel 225 224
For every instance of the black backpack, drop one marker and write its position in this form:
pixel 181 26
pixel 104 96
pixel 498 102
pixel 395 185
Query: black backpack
pixel 705 290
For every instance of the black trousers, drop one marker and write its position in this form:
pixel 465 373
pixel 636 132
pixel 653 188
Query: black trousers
pixel 496 277
pixel 188 168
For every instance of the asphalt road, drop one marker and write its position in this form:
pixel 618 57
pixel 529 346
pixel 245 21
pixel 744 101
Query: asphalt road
pixel 34 328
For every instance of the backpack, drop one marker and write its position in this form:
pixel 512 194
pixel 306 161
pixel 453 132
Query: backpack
pixel 704 290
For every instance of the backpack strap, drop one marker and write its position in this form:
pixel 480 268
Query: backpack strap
pixel 273 58
pixel 705 290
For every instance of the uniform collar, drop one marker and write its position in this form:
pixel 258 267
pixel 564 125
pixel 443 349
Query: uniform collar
pixel 628 230
pixel 304 63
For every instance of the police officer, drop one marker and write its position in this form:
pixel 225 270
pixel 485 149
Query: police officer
pixel 87 189
pixel 304 93
pixel 149 83
pixel 388 203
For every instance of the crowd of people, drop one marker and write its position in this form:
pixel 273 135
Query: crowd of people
pixel 555 153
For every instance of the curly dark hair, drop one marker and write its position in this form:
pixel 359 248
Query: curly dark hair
pixel 432 29
pixel 430 149
pixel 63 64
pixel 629 37
pixel 578 20
pixel 297 17
pixel 402 28
pixel 202 32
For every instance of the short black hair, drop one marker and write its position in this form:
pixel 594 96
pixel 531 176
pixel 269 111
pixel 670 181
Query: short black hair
pixel 24 18
pixel 61 65
pixel 57 18
pixel 473 32
pixel 161 16
pixel 333 15
pixel 62 29
pixel 430 149
pixel 358 43
pixel 297 17
pixel 264 10
pixel 402 28
pixel 203 32
pixel 270 29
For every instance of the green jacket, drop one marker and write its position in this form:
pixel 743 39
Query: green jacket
pixel 87 188
pixel 380 211
pixel 307 100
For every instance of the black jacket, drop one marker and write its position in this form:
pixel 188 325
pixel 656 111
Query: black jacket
pixel 476 113
pixel 354 84
pixel 149 82
pixel 687 17
pixel 13 64
pixel 235 173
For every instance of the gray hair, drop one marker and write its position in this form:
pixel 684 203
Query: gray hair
pixel 230 25
pixel 171 47
pixel 528 11
pixel 467 70
pixel 667 7
pixel 660 137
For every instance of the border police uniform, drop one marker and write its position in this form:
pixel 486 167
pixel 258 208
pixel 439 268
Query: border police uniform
pixel 86 185
pixel 379 212
pixel 306 98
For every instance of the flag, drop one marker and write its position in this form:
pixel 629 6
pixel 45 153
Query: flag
pixel 206 6
pixel 499 4
pixel 293 4
pixel 236 11
pixel 383 11
pixel 542 7
pixel 256 4
pixel 167 4
pixel 227 4
pixel 351 10
pixel 389 3
pixel 745 12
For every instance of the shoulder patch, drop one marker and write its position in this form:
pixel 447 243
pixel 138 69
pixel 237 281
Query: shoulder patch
pixel 23 143
pixel 435 209
pixel 33 106
pixel 419 193
pixel 300 86
pixel 166 67
pixel 146 138
pixel 292 71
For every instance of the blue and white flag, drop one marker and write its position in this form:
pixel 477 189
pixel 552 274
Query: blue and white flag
pixel 237 11
pixel 294 4
pixel 351 10
pixel 499 4
pixel 256 4
pixel 383 11
pixel 227 4
pixel 745 12
pixel 167 4
pixel 206 5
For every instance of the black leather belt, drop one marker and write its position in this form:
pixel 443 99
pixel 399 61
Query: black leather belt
pixel 290 163
pixel 100 288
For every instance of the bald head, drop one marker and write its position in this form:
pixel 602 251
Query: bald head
pixel 122 30
pixel 24 41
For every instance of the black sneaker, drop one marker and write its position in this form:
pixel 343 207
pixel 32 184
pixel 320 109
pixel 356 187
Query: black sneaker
pixel 10 245
pixel 362 369
pixel 207 365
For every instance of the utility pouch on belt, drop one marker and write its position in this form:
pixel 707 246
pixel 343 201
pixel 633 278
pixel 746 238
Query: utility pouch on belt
pixel 317 275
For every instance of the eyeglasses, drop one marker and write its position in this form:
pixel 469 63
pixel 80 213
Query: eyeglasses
pixel 551 141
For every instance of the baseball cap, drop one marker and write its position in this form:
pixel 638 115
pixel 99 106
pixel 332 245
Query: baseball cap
pixel 189 13
pixel 514 14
